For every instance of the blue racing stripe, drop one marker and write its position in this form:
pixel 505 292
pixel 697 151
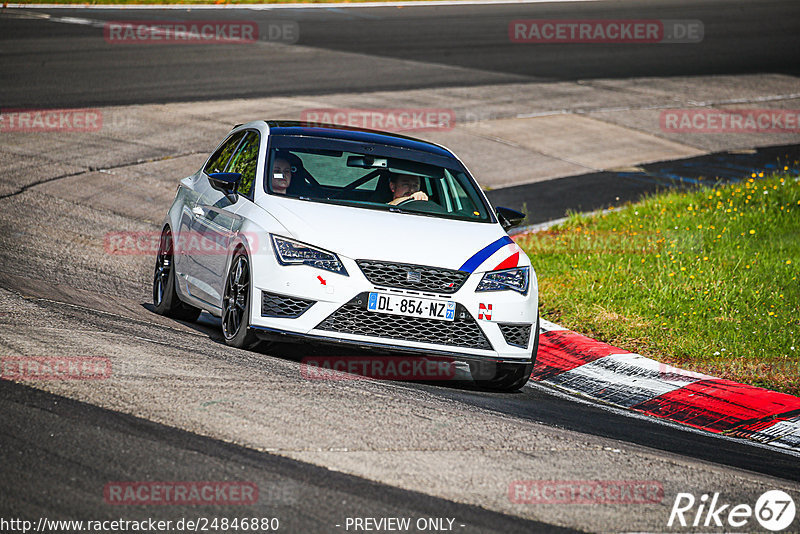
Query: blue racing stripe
pixel 481 256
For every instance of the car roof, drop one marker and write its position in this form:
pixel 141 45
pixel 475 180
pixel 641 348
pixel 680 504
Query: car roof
pixel 335 131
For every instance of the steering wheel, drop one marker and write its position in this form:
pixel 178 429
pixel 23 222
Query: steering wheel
pixel 409 201
pixel 423 206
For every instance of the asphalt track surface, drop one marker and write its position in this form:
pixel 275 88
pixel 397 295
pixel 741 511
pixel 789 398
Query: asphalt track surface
pixel 90 444
pixel 56 453
pixel 367 49
pixel 550 200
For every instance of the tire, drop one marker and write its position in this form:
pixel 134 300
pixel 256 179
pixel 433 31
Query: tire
pixel 236 302
pixel 505 377
pixel 165 297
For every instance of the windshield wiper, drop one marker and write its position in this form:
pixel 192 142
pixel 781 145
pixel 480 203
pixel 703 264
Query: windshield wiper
pixel 395 209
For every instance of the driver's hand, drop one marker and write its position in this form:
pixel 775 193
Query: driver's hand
pixel 419 195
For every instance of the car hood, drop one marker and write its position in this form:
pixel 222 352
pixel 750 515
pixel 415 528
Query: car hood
pixel 360 233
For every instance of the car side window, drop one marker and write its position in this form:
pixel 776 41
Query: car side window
pixel 244 162
pixel 219 160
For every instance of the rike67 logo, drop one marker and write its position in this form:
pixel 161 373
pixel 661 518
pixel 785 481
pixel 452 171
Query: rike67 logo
pixel 774 510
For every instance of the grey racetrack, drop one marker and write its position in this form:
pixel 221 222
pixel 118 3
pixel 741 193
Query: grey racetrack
pixel 181 405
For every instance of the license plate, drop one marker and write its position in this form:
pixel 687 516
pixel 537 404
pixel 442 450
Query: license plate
pixel 444 310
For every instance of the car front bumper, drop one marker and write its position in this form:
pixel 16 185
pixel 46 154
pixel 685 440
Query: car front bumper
pixel 304 303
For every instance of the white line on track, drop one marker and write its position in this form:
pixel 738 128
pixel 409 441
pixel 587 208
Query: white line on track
pixel 267 7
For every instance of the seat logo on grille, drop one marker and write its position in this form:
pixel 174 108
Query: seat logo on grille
pixel 413 276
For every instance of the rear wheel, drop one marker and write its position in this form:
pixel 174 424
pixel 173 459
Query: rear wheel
pixel 505 377
pixel 165 297
pixel 236 304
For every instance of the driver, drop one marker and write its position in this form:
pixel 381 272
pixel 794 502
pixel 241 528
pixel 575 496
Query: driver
pixel 405 187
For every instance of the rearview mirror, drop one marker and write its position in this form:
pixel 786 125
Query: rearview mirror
pixel 226 183
pixel 367 162
pixel 509 218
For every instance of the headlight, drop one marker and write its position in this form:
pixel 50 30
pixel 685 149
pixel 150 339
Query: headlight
pixel 515 279
pixel 290 252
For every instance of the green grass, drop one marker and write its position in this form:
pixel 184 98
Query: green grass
pixel 705 280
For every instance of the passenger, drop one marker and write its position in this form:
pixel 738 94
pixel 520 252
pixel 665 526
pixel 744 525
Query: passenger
pixel 405 187
pixel 281 175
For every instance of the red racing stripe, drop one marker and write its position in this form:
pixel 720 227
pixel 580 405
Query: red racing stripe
pixel 508 263
pixel 722 405
pixel 562 350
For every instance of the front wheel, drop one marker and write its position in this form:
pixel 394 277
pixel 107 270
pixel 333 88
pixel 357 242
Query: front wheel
pixel 236 305
pixel 506 377
pixel 165 297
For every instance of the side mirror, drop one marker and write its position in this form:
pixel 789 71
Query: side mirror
pixel 509 218
pixel 226 183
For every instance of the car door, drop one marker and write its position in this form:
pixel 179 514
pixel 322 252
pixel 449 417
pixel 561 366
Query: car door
pixel 216 221
pixel 189 244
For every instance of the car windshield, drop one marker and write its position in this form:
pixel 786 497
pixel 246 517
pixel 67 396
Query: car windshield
pixel 373 176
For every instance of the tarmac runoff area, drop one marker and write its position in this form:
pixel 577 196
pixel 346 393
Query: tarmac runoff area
pixel 73 188
pixel 507 134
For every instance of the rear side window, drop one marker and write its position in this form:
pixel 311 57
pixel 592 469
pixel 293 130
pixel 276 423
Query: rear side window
pixel 220 158
pixel 245 161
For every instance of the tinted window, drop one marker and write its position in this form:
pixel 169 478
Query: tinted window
pixel 245 161
pixel 223 154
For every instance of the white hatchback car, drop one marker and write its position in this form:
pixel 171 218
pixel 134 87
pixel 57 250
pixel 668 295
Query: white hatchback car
pixel 330 234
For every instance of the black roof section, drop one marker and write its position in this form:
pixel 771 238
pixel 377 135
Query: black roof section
pixel 335 131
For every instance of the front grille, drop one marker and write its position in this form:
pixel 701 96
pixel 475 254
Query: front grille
pixel 422 278
pixel 274 305
pixel 517 335
pixel 353 318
